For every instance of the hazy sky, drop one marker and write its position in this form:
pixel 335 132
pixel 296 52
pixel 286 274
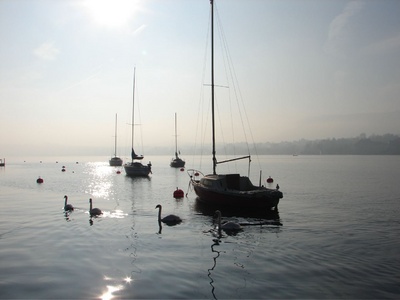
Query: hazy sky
pixel 306 68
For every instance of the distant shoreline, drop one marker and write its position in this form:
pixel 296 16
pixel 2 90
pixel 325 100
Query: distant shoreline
pixel 388 144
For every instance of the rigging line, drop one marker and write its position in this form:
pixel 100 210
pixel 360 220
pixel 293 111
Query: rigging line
pixel 139 117
pixel 225 64
pixel 221 129
pixel 218 110
pixel 238 92
pixel 228 64
pixel 200 112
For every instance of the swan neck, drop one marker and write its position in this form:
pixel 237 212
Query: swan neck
pixel 159 213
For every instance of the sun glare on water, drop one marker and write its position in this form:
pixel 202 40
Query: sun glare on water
pixel 111 13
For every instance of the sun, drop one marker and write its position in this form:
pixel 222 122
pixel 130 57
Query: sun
pixel 111 13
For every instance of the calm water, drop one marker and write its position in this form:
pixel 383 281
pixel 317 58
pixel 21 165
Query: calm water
pixel 340 219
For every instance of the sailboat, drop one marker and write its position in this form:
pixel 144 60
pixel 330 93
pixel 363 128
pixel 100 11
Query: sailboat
pixel 115 161
pixel 135 168
pixel 229 190
pixel 177 162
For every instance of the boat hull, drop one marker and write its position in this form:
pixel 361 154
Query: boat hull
pixel 177 163
pixel 115 162
pixel 218 190
pixel 137 169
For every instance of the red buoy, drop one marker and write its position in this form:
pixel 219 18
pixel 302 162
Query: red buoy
pixel 182 169
pixel 178 193
pixel 118 172
pixel 270 180
pixel 39 180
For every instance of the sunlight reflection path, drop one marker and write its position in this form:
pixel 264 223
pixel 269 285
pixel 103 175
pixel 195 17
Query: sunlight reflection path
pixel 108 295
pixel 100 185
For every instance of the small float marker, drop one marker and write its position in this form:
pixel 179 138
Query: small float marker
pixel 39 180
pixel 178 193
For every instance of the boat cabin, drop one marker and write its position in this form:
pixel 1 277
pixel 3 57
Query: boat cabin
pixel 228 181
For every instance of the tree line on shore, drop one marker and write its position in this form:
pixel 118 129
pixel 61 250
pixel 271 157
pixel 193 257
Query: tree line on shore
pixel 388 144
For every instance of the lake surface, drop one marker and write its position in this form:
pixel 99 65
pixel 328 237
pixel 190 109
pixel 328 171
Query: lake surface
pixel 338 238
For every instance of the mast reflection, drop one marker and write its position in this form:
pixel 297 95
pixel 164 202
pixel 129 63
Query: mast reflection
pixel 216 243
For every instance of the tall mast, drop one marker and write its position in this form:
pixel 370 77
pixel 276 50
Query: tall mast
pixel 115 143
pixel 133 106
pixel 176 137
pixel 212 88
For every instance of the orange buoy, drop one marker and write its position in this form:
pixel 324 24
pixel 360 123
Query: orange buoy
pixel 39 180
pixel 270 180
pixel 178 193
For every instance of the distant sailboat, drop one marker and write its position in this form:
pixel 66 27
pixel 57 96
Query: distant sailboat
pixel 177 162
pixel 115 161
pixel 229 190
pixel 135 168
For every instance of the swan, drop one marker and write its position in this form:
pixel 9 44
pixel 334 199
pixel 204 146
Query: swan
pixel 170 219
pixel 67 207
pixel 227 226
pixel 94 211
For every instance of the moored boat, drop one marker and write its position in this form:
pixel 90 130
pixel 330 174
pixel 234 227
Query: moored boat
pixel 115 161
pixel 135 168
pixel 229 190
pixel 177 162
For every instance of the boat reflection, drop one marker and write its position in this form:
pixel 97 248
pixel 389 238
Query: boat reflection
pixel 209 210
pixel 137 178
pixel 243 218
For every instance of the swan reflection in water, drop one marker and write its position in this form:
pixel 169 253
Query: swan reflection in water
pixel 66 216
